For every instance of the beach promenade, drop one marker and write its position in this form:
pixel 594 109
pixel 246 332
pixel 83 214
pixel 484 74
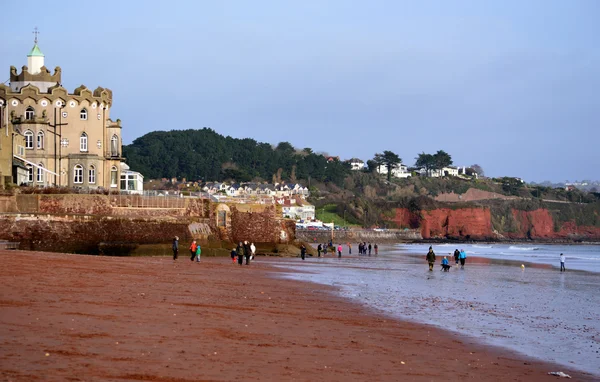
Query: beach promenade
pixel 84 318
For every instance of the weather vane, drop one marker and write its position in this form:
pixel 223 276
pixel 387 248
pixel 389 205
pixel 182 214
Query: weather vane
pixel 36 32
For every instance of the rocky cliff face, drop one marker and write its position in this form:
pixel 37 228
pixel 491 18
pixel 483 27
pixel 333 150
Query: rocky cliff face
pixel 476 224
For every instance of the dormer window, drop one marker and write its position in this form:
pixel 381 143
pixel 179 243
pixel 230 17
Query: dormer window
pixel 83 142
pixel 29 113
pixel 83 114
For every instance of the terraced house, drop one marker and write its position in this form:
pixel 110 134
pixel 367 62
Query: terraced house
pixel 50 136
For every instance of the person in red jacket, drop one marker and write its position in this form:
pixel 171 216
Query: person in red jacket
pixel 193 247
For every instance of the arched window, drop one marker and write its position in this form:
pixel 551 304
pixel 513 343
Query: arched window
pixel 29 113
pixel 114 176
pixel 83 142
pixel 114 146
pixel 83 114
pixel 40 140
pixel 29 139
pixel 78 174
pixel 40 173
pixel 30 174
pixel 92 175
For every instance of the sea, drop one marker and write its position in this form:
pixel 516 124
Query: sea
pixel 508 295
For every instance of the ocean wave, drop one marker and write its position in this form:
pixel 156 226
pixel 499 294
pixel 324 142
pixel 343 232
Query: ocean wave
pixel 517 248
pixel 482 246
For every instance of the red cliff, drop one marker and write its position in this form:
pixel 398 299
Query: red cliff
pixel 475 223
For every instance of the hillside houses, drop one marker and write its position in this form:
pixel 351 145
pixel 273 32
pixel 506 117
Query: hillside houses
pixel 256 189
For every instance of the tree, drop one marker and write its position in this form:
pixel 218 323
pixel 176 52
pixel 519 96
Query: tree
pixel 388 159
pixel 441 159
pixel 478 170
pixel 426 161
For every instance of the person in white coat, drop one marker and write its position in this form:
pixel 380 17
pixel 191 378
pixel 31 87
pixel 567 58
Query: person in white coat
pixel 253 250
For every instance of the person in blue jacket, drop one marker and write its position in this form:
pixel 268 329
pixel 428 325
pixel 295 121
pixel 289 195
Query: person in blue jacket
pixel 463 258
pixel 445 265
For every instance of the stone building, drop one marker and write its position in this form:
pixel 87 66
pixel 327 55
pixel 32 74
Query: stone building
pixel 62 138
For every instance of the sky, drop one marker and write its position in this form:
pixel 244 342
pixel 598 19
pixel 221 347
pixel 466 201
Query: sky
pixel 510 85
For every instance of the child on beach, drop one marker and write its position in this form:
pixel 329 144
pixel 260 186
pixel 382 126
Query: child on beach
pixel 445 265
pixel 562 263
pixel 198 252
pixel 193 250
pixel 233 254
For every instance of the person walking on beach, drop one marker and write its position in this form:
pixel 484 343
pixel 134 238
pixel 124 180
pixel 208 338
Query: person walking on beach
pixel 302 251
pixel 375 248
pixel 349 248
pixel 252 250
pixel 198 253
pixel 370 249
pixel 456 255
pixel 240 253
pixel 233 254
pixel 430 258
pixel 360 248
pixel 247 252
pixel 175 247
pixel 562 263
pixel 319 249
pixel 462 256
pixel 340 250
pixel 193 250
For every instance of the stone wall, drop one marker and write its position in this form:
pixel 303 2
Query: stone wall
pixel 83 233
pixel 260 226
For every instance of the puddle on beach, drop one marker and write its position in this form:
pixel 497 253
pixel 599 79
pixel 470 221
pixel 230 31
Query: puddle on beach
pixel 537 311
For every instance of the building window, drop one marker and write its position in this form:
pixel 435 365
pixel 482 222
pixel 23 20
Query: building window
pixel 83 142
pixel 40 140
pixel 29 139
pixel 92 175
pixel 114 146
pixel 21 150
pixel 29 174
pixel 83 114
pixel 78 174
pixel 114 176
pixel 29 113
pixel 40 173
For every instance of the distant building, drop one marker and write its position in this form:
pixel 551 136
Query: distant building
pixel 400 171
pixel 60 138
pixel 296 208
pixel 356 164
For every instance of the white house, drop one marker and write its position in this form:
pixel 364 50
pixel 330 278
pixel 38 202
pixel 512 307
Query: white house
pixel 400 171
pixel 446 171
pixel 296 208
pixel 356 164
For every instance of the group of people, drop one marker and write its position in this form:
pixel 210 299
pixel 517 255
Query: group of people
pixel 459 256
pixel 364 247
pixel 195 250
pixel 243 250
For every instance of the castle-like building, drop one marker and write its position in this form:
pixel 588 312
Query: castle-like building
pixel 49 136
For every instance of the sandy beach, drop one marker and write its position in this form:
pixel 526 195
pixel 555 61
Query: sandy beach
pixel 84 318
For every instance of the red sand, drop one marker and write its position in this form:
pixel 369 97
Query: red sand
pixel 84 318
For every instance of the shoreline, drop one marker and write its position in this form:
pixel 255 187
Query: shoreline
pixel 146 318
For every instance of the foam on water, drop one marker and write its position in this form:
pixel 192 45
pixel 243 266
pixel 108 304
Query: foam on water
pixel 537 311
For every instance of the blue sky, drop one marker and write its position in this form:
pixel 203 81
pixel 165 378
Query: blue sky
pixel 510 85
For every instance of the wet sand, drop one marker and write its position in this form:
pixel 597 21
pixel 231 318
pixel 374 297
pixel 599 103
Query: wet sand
pixel 84 318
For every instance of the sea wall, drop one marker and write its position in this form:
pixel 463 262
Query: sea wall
pixel 354 236
pixel 80 223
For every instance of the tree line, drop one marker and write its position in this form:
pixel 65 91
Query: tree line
pixel 208 156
